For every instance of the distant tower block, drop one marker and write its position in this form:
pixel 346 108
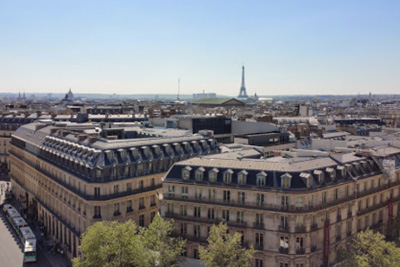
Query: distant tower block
pixel 243 93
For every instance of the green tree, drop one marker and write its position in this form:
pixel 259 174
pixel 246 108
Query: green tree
pixel 225 249
pixel 165 249
pixel 371 249
pixel 109 244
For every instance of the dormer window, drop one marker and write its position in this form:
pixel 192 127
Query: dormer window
pixel 320 176
pixel 228 176
pixel 261 179
pixel 186 173
pixel 332 174
pixel 212 175
pixel 242 177
pixel 342 171
pixel 348 168
pixel 307 179
pixel 199 174
pixel 286 180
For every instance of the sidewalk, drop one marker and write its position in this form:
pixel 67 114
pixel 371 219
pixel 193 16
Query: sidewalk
pixel 56 260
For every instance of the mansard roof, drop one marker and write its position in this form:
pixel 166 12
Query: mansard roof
pixel 300 169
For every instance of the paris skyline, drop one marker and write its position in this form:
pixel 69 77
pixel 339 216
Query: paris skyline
pixel 132 47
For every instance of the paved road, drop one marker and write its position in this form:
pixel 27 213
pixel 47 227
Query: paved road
pixel 11 252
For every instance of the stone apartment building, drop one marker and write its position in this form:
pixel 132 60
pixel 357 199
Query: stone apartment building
pixel 8 124
pixel 295 211
pixel 69 177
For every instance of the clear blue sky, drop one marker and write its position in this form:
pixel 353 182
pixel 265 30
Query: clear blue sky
pixel 123 47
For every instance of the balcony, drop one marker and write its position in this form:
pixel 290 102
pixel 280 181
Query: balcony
pixel 284 250
pixel 300 228
pixel 142 207
pixel 258 225
pixel 283 228
pixel 255 205
pixel 349 234
pixel 300 251
pixel 258 246
pixel 129 209
pixel 117 213
pixel 97 217
pixel 314 227
pixel 153 204
pixel 237 224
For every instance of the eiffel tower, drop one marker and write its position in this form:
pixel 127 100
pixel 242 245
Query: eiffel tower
pixel 242 93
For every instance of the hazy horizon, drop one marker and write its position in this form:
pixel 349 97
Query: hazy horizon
pixel 288 48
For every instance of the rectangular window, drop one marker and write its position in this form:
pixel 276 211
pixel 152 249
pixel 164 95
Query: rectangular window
pixel 260 199
pixel 196 231
pixel 97 212
pixel 241 197
pixel 225 215
pixel 211 214
pixel 152 182
pixel 185 192
pixel 116 209
pixel 259 219
pixel 324 197
pixel 211 194
pixel 141 220
pixel 285 202
pixel 197 193
pixel 171 190
pixel 97 191
pixel 347 191
pixel 141 203
pixel 299 245
pixel 197 213
pixel 259 263
pixel 116 189
pixel 170 208
pixel 129 206
pixel 128 186
pixel 183 210
pixel 240 217
pixel 183 229
pixel 284 223
pixel 259 241
pixel 227 196
pixel 141 184
pixel 336 194
pixel 152 200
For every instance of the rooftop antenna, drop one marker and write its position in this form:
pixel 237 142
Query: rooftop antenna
pixel 179 88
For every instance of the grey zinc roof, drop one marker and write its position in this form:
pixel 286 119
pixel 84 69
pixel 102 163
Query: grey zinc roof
pixel 261 164
pixel 124 143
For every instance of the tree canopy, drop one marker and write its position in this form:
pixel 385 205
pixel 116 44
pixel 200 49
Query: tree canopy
pixel 370 249
pixel 113 244
pixel 166 250
pixel 225 249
